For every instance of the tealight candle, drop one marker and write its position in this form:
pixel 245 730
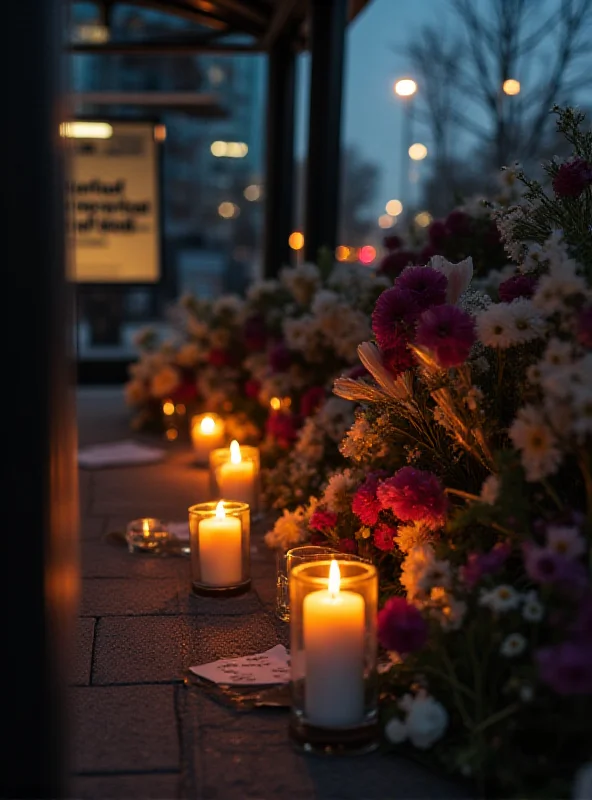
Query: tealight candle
pixel 237 478
pixel 146 534
pixel 334 630
pixel 207 434
pixel 220 553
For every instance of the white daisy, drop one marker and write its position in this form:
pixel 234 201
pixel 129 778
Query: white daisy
pixel 528 323
pixel 502 598
pixel 513 645
pixel 538 444
pixel 496 326
pixel 532 609
pixel 566 541
pixel 490 490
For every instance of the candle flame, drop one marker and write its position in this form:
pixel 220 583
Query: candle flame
pixel 235 453
pixel 334 578
pixel 146 527
pixel 207 425
pixel 220 511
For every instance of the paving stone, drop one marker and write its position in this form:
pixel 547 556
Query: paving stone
pixel 124 729
pixel 153 786
pixel 140 649
pixel 191 603
pixel 106 560
pixel 80 666
pixel 214 637
pixel 117 596
pixel 93 528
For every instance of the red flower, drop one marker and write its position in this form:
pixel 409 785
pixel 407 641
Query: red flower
pixel 347 546
pixel 384 537
pixel 322 520
pixel 221 358
pixel 572 178
pixel 185 392
pixel 414 495
pixel 252 388
pixel 283 427
pixel 365 504
pixel 311 400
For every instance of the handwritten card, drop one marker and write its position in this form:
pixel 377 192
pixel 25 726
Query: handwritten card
pixel 260 669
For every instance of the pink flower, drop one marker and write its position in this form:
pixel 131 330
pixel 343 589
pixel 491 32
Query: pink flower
pixel 545 565
pixel 414 495
pixel 572 178
pixel 448 332
pixel 584 327
pixel 311 400
pixel 322 520
pixel 393 316
pixel 393 263
pixel 480 564
pixel 401 626
pixel 567 667
pixel 384 537
pixel 517 286
pixel 427 286
pixel 365 504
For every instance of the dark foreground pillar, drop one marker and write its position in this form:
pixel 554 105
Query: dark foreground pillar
pixel 328 19
pixel 279 180
pixel 39 583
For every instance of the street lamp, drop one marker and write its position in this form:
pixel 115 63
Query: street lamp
pixel 405 89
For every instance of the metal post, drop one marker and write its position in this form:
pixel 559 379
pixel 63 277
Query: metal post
pixel 39 551
pixel 279 180
pixel 328 20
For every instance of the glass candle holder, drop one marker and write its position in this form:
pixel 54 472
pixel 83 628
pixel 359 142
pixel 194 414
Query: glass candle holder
pixel 220 548
pixel 146 535
pixel 235 474
pixel 207 434
pixel 285 560
pixel 333 606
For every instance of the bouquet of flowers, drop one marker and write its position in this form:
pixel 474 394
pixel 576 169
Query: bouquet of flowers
pixel 470 485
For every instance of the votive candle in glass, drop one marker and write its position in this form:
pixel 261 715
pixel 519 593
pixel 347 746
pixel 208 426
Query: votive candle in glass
pixel 220 547
pixel 333 605
pixel 234 474
pixel 207 434
pixel 146 534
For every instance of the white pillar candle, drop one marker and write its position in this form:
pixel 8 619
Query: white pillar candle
pixel 220 549
pixel 237 479
pixel 207 433
pixel 333 628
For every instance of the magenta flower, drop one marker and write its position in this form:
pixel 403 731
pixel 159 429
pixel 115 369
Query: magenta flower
pixel 572 178
pixel 401 627
pixel 438 233
pixel 458 223
pixel 448 332
pixel 311 400
pixel 545 565
pixel 280 358
pixel 480 564
pixel 584 327
pixel 393 316
pixel 517 286
pixel 394 262
pixel 426 286
pixel 365 504
pixel 384 537
pixel 398 357
pixel 322 520
pixel 414 495
pixel 567 667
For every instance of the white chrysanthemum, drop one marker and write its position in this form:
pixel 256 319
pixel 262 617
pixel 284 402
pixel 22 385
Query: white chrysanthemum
pixel 228 304
pixel 513 645
pixel 557 353
pixel 289 530
pixel 395 730
pixel 554 289
pixel 496 326
pixel 337 494
pixel 301 281
pixel 262 290
pixel 537 444
pixel 189 354
pixel 421 572
pixel 426 721
pixel 502 598
pixel 582 411
pixel 447 609
pixel 324 302
pixel 490 490
pixel 164 382
pixel 528 323
pixel 335 417
pixel 532 608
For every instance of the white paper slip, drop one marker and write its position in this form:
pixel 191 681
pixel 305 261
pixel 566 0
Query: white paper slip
pixel 118 454
pixel 180 530
pixel 270 667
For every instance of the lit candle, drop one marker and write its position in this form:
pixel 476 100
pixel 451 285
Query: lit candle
pixel 220 549
pixel 207 433
pixel 333 628
pixel 237 479
pixel 146 529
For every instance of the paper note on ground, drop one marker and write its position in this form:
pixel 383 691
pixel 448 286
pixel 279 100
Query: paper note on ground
pixel 270 667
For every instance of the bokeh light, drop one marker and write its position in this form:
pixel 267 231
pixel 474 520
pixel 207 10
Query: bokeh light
pixel 386 221
pixel 423 219
pixel 252 192
pixel 228 210
pixel 394 208
pixel 511 86
pixel 405 87
pixel 172 434
pixel 367 254
pixel 275 403
pixel 342 253
pixel 296 240
pixel 168 408
pixel 418 151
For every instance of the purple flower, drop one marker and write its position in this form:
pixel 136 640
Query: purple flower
pixel 394 314
pixel 572 178
pixel 398 357
pixel 545 565
pixel 458 223
pixel 280 358
pixel 438 232
pixel 322 520
pixel 394 262
pixel 448 332
pixel 517 286
pixel 414 495
pixel 479 564
pixel 427 286
pixel 584 327
pixel 365 504
pixel 401 627
pixel 567 667
pixel 384 537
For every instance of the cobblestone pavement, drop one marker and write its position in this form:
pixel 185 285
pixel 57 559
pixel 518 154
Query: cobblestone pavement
pixel 138 730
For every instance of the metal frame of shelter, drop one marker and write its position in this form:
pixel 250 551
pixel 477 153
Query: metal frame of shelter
pixel 281 29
